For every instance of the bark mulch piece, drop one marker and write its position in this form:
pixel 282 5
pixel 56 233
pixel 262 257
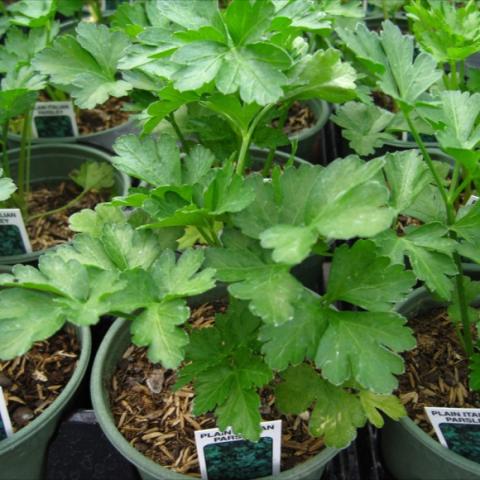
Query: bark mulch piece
pixel 45 232
pixel 105 116
pixel 31 382
pixel 436 373
pixel 158 421
pixel 299 117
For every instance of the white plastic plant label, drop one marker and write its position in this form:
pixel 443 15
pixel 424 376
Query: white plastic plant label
pixel 13 234
pixel 223 455
pixel 457 429
pixel 54 120
pixel 472 200
pixel 5 423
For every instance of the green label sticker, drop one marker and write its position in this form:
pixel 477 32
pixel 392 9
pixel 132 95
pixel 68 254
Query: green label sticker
pixel 227 456
pixel 5 423
pixel 13 234
pixel 54 120
pixel 458 429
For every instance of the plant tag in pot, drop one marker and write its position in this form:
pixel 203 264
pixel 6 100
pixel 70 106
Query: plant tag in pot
pixel 5 423
pixel 224 455
pixel 472 200
pixel 13 234
pixel 54 120
pixel 458 429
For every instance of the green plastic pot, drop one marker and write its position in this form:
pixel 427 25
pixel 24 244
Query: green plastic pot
pixel 114 344
pixel 408 452
pixel 22 456
pixel 54 162
pixel 312 140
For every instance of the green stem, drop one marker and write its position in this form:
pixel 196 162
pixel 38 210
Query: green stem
pixel 459 286
pixel 247 138
pixel 281 124
pixel 462 301
pixel 453 76
pixel 385 9
pixel 6 165
pixel 70 204
pixel 461 74
pixel 453 183
pixel 181 137
pixel 22 161
pixel 465 183
pixel 431 166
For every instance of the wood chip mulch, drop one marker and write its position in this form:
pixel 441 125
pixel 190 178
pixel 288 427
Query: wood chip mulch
pixel 436 373
pixel 158 421
pixel 105 116
pixel 45 232
pixel 300 117
pixel 33 381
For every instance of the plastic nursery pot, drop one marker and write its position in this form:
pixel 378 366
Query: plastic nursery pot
pixel 312 140
pixel 104 139
pixel 22 456
pixel 374 21
pixel 54 162
pixel 408 452
pixel 111 350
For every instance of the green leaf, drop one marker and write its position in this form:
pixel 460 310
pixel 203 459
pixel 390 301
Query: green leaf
pixel 14 103
pixel 182 278
pixel 7 187
pixel 32 14
pixel 294 341
pixel 241 411
pixel 157 328
pixel 363 346
pixel 247 21
pixel 461 132
pixel 323 75
pixel 26 317
pixel 449 32
pixel 430 254
pixel 270 288
pixel 340 201
pixel 94 176
pixel 373 404
pixel 407 175
pixel 228 192
pixel 337 413
pixel 291 244
pixel 360 276
pixel 156 162
pixel 87 64
pixel 271 293
pixel 468 222
pixel 364 126
pixel 55 275
pixel 390 57
pixel 92 221
pixel 128 248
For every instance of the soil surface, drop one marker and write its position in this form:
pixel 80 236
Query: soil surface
pixel 299 117
pixel 33 381
pixel 52 230
pixel 436 373
pixel 103 117
pixel 158 421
